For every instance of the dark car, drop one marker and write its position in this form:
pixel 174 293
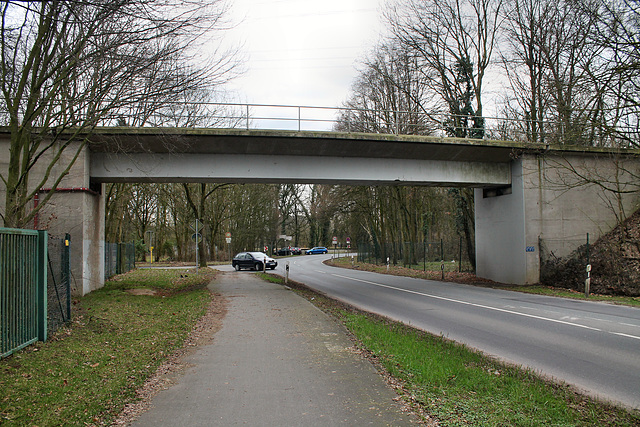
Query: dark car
pixel 289 251
pixel 317 250
pixel 253 261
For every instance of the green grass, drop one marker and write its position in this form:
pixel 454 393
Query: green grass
pixel 271 278
pixel 88 371
pixel 461 387
pixel 568 293
pixel 170 280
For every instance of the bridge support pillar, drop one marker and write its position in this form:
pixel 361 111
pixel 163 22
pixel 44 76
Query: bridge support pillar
pixel 501 234
pixel 555 200
pixel 76 207
pixel 80 212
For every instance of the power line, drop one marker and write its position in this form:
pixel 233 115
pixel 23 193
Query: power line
pixel 303 15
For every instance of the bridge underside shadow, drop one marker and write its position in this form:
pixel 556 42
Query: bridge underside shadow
pixel 254 168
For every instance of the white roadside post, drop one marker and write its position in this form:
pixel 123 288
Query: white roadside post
pixel 286 273
pixel 587 282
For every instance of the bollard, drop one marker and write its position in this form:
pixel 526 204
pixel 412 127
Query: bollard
pixel 587 282
pixel 286 273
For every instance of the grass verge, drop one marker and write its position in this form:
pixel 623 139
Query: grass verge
pixel 460 387
pixel 471 279
pixel 88 371
pixel 568 293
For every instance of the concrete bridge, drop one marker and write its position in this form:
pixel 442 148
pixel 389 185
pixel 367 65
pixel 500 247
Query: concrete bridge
pixel 523 192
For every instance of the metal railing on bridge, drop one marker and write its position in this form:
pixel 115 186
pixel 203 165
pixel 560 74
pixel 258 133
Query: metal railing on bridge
pixel 398 122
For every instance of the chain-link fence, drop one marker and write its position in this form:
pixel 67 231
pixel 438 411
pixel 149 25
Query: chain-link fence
pixel 58 282
pixel 426 256
pixel 118 258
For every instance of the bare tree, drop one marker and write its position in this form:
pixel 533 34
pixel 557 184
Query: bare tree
pixel 196 196
pixel 573 70
pixel 69 66
pixel 389 96
pixel 117 200
pixel 524 65
pixel 617 30
pixel 453 42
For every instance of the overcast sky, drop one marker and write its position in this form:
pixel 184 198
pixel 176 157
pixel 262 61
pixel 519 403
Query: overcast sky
pixel 302 52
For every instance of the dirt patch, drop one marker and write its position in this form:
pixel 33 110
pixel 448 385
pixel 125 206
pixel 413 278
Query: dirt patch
pixel 167 373
pixel 614 259
pixel 141 291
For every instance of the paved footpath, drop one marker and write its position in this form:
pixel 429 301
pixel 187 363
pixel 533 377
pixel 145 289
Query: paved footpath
pixel 277 361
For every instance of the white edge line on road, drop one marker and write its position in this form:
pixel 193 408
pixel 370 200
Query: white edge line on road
pixel 626 335
pixel 629 324
pixel 481 306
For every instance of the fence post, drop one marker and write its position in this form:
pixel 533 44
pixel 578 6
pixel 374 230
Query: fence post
pixel 587 282
pixel 442 257
pixel 460 256
pixel 66 272
pixel 42 285
pixel 131 263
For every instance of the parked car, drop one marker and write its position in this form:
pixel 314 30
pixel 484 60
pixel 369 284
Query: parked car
pixel 317 250
pixel 253 261
pixel 289 251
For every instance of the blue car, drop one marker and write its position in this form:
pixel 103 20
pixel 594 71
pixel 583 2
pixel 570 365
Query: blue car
pixel 317 250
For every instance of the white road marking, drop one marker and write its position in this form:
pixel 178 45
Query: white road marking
pixel 629 324
pixel 502 310
pixel 625 335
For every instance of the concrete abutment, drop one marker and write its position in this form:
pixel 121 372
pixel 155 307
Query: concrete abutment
pixel 554 198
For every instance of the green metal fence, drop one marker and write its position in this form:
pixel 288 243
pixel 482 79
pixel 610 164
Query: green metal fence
pixel 427 256
pixel 23 288
pixel 58 282
pixel 118 258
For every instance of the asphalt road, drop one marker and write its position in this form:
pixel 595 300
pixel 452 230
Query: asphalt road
pixel 594 346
